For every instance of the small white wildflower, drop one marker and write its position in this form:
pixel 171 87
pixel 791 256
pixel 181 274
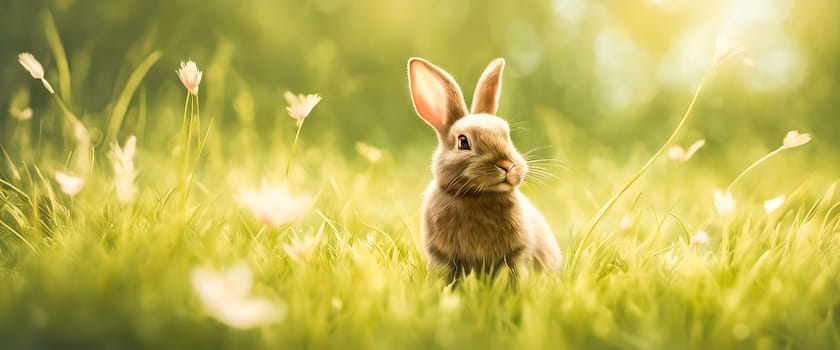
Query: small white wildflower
pixel 275 206
pixel 28 61
pixel 625 223
pixel 772 204
pixel 337 304
pixel 225 297
pixel 670 259
pixel 677 153
pixel 35 69
pixel 449 301
pixel 83 151
pixel 190 76
pixel 794 139
pixel 724 202
pixel 302 250
pixel 81 133
pixel 371 153
pixel 71 185
pixel 24 114
pixel 19 105
pixel 122 159
pixel 699 238
pixel 300 105
pixel 125 155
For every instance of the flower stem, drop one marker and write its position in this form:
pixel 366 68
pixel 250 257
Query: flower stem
pixel 753 165
pixel 73 119
pixel 48 86
pixel 609 204
pixel 186 125
pixel 292 152
pixel 186 108
pixel 83 150
pixel 200 141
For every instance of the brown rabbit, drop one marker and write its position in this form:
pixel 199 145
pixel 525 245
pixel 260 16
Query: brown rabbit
pixel 474 216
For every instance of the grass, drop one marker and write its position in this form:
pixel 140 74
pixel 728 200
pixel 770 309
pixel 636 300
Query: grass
pixel 90 272
pixel 101 274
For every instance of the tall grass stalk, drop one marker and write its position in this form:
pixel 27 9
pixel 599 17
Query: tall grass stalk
pixel 609 204
pixel 83 151
pixel 57 48
pixel 292 151
pixel 186 143
pixel 190 138
pixel 131 85
pixel 718 59
pixel 753 165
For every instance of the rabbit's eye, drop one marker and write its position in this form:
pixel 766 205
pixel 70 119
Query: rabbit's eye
pixel 463 143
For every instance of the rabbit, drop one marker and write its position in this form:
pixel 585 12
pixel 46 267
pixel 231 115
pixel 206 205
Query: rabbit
pixel 474 218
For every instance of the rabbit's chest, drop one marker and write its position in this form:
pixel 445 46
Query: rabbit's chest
pixel 476 231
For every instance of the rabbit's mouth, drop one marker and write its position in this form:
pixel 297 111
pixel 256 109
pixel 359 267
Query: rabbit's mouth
pixel 504 186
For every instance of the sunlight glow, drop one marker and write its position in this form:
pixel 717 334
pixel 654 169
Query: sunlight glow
pixel 622 71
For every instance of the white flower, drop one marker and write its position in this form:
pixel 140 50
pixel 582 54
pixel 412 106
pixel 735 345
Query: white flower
pixel 678 154
pixel 225 297
pixel 772 204
pixel 300 105
pixel 275 206
pixel 724 202
pixel 190 76
pixel 124 156
pixel 337 304
pixel 81 133
pixel 794 139
pixel 302 250
pixel 24 114
pixel 83 150
pixel 670 259
pixel 625 223
pixel 124 173
pixel 31 65
pixel 35 69
pixel 372 154
pixel 449 301
pixel 19 105
pixel 699 238
pixel 70 185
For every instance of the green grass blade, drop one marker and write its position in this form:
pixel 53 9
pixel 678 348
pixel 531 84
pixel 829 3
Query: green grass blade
pixel 54 39
pixel 120 108
pixel 18 235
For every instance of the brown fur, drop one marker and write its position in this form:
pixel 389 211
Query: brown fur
pixel 474 216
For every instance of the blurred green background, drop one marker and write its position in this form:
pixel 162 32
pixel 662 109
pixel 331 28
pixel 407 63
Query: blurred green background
pixel 600 73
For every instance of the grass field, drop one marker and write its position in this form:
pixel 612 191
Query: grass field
pixel 191 255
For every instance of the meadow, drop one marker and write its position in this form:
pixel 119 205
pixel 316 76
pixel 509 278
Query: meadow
pixel 204 176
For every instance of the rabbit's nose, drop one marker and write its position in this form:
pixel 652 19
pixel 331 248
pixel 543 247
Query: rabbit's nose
pixel 505 165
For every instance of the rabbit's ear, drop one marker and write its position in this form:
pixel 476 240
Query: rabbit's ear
pixel 436 96
pixel 486 98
